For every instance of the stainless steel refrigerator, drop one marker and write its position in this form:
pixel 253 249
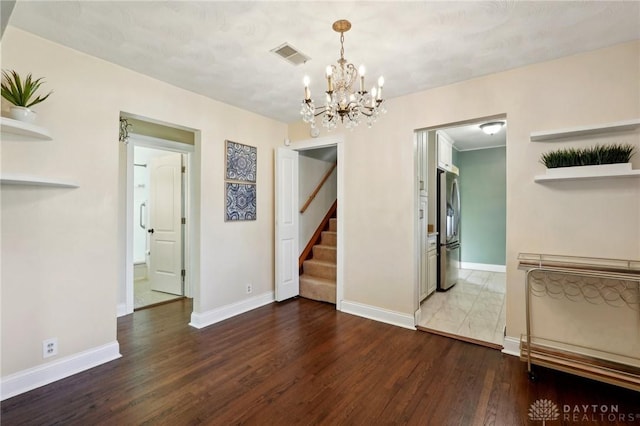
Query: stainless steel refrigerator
pixel 448 213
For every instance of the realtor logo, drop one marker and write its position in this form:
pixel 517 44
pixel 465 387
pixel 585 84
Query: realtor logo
pixel 544 409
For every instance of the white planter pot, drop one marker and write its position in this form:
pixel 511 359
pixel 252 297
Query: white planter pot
pixel 22 114
pixel 584 171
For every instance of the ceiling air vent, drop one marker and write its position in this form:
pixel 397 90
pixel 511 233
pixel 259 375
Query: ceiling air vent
pixel 290 54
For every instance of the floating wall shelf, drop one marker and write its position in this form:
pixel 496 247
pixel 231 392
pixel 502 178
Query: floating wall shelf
pixel 589 172
pixel 552 135
pixel 25 130
pixel 8 179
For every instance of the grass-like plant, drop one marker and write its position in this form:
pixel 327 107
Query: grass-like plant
pixel 599 154
pixel 21 92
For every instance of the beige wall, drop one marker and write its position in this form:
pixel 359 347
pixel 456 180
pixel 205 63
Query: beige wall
pixel 63 249
pixel 586 218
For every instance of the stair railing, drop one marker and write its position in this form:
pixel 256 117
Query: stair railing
pixel 315 191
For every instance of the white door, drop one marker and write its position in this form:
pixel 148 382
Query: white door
pixel 286 198
pixel 165 223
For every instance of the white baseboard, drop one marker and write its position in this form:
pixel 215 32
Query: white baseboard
pixel 378 314
pixel 483 267
pixel 201 320
pixel 511 346
pixel 32 378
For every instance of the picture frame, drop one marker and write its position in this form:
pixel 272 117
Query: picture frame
pixel 240 201
pixel 240 182
pixel 241 162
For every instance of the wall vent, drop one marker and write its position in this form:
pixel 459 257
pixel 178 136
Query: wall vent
pixel 290 54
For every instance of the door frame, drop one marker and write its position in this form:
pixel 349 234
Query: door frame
pixel 187 152
pixel 417 133
pixel 337 141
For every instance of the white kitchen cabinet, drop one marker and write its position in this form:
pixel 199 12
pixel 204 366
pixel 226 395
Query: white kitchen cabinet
pixel 432 264
pixel 445 151
pixel 424 273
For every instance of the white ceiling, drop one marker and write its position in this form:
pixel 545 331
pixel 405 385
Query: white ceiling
pixel 470 136
pixel 222 49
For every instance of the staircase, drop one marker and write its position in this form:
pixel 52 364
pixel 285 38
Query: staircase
pixel 318 280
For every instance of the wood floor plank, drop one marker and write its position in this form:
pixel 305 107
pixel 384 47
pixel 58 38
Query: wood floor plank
pixel 301 362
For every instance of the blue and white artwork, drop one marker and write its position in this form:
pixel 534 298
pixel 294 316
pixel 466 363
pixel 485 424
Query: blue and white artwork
pixel 241 162
pixel 241 201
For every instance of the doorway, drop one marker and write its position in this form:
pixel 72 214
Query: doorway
pixel 288 211
pixel 470 307
pixel 158 240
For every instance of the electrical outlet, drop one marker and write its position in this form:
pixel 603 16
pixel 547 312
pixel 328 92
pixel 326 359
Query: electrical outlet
pixel 50 347
pixel 249 288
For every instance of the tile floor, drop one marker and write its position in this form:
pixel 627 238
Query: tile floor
pixel 144 296
pixel 474 307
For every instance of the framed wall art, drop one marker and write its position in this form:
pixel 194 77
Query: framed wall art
pixel 241 162
pixel 241 201
pixel 240 181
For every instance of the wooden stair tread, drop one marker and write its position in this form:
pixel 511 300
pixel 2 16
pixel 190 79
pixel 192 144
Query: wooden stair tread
pixel 312 279
pixel 321 262
pixel 325 246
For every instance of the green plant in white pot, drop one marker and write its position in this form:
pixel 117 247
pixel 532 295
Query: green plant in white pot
pixel 21 93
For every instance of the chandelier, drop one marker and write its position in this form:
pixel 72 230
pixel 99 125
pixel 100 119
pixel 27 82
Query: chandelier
pixel 342 102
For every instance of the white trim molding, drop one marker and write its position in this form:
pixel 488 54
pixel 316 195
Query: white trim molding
pixel 483 267
pixel 379 314
pixel 204 319
pixel 32 378
pixel 121 310
pixel 336 140
pixel 511 346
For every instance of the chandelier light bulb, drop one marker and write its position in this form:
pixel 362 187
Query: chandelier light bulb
pixel 361 71
pixel 329 78
pixel 381 81
pixel 307 92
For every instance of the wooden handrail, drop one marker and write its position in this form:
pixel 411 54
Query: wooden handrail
pixel 315 191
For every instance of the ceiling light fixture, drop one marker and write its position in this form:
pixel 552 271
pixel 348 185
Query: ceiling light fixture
pixel 492 127
pixel 342 101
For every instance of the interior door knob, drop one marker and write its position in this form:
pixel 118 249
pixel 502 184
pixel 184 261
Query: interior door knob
pixel 151 231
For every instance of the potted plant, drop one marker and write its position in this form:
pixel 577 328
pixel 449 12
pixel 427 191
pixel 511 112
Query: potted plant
pixel 21 93
pixel 592 156
pixel 610 158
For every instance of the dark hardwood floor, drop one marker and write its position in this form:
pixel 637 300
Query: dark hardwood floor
pixel 302 362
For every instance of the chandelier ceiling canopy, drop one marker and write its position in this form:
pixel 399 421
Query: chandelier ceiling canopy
pixel 342 102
